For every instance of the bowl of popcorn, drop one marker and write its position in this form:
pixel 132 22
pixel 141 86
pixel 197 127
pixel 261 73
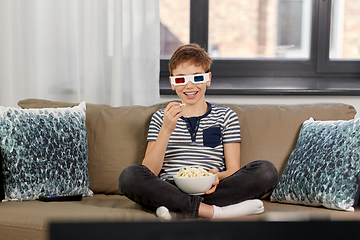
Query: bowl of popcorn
pixel 194 180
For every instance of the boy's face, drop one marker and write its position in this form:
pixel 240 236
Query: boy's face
pixel 190 93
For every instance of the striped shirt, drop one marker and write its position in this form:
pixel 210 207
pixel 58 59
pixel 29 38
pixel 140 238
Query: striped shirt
pixel 197 141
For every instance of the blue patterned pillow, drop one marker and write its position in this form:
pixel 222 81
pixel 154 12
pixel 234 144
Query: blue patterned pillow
pixel 323 169
pixel 44 152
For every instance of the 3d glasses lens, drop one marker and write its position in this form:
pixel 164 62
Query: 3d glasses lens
pixel 198 78
pixel 179 80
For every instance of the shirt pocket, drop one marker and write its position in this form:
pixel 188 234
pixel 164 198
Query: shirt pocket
pixel 212 137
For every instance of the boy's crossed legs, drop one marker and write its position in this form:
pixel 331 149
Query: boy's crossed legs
pixel 234 196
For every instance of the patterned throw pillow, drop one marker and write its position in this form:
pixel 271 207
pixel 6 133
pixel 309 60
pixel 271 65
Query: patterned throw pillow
pixel 44 152
pixel 323 169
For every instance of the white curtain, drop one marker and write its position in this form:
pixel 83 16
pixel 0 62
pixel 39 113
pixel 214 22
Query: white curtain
pixel 99 51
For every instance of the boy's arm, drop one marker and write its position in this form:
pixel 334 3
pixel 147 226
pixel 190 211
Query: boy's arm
pixel 232 163
pixel 155 151
pixel 232 159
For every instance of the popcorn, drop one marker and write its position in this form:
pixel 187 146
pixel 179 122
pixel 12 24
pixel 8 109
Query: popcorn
pixel 192 172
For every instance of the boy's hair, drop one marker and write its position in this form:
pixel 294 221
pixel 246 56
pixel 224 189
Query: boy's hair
pixel 192 53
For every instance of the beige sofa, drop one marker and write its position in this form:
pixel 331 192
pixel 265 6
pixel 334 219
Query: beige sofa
pixel 117 138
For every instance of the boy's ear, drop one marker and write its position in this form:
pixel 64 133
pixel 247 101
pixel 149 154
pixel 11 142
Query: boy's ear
pixel 208 83
pixel 172 86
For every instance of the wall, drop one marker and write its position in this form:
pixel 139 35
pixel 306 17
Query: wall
pixel 352 100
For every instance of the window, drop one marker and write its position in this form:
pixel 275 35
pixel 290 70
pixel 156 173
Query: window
pixel 345 30
pixel 256 30
pixel 269 46
pixel 174 25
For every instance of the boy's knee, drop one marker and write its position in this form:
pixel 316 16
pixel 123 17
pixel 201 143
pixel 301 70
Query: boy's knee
pixel 269 172
pixel 127 176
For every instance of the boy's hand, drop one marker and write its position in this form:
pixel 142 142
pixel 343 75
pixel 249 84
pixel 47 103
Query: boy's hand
pixel 215 183
pixel 172 113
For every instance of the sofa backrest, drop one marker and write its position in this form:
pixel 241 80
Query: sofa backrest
pixel 117 135
pixel 270 132
pixel 116 139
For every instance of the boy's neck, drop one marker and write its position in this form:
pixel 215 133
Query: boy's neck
pixel 195 110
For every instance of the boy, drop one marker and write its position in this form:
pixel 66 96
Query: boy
pixel 196 133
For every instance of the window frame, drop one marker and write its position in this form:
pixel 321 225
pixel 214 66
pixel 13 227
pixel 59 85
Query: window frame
pixel 316 76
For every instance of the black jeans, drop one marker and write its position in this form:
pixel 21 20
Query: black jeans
pixel 252 181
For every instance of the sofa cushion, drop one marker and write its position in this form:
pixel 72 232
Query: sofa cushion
pixel 44 152
pixel 31 219
pixel 324 168
pixel 117 135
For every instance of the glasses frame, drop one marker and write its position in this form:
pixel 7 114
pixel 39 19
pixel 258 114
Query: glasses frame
pixel 190 78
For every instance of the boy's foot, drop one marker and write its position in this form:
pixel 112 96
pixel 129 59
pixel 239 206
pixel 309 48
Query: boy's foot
pixel 163 213
pixel 249 207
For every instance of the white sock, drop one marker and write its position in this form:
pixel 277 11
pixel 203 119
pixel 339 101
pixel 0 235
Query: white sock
pixel 253 206
pixel 163 212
